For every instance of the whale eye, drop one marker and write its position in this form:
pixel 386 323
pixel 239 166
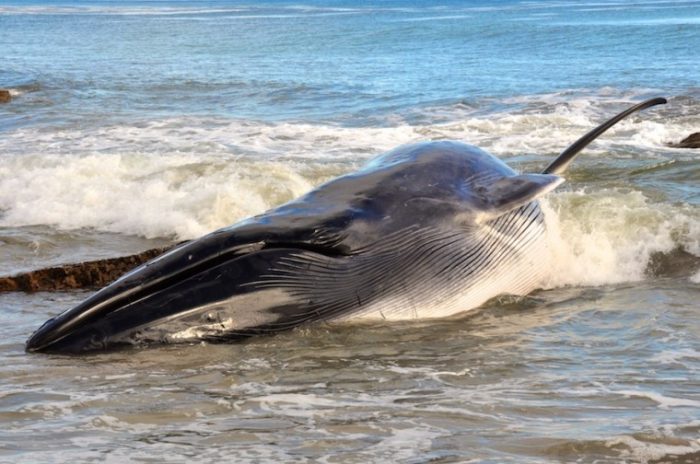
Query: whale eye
pixel 211 317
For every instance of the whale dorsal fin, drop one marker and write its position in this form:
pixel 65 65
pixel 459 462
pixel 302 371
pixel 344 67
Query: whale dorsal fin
pixel 567 156
pixel 509 193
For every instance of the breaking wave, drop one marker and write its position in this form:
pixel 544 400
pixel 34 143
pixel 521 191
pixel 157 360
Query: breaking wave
pixel 610 236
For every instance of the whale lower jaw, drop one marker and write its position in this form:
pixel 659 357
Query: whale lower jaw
pixel 518 273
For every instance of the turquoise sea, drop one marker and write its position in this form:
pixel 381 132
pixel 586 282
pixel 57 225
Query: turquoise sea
pixel 136 124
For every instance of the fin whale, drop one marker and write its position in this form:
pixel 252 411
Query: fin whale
pixel 425 230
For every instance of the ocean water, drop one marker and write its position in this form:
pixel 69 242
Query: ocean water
pixel 141 123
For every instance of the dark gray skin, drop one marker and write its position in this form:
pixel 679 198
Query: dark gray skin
pixel 425 230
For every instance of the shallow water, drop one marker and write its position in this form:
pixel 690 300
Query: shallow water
pixel 137 124
pixel 605 374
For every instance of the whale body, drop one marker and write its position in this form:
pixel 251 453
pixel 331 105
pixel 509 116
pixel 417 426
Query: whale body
pixel 426 230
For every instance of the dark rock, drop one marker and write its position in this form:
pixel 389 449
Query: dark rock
pixel 5 96
pixel 676 263
pixel 691 141
pixel 87 275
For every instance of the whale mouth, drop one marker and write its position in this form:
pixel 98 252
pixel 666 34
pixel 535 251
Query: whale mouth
pixel 163 290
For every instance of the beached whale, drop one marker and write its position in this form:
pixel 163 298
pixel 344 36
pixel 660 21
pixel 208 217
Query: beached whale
pixel 426 230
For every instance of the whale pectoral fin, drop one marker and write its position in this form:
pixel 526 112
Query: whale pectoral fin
pixel 512 192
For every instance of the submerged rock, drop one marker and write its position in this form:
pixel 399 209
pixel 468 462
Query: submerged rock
pixel 691 141
pixel 5 96
pixel 676 263
pixel 87 275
